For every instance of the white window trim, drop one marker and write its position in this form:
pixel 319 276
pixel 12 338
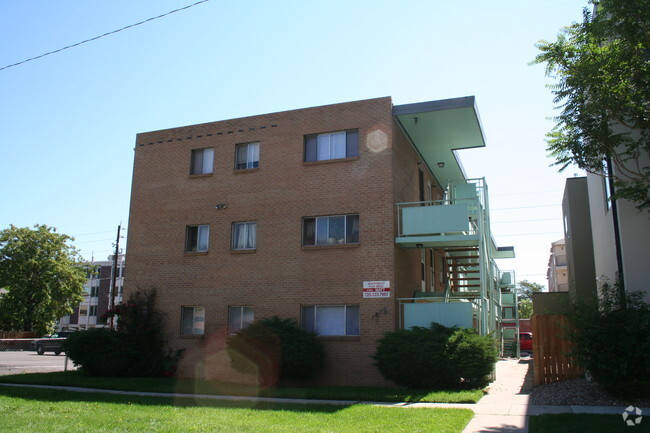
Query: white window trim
pixel 246 233
pixel 196 318
pixel 344 315
pixel 203 231
pixel 252 156
pixel 242 324
pixel 327 218
pixel 207 161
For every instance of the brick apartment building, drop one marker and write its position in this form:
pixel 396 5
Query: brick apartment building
pixel 97 292
pixel 296 214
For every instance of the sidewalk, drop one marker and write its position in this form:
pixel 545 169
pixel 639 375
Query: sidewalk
pixel 504 409
pixel 506 406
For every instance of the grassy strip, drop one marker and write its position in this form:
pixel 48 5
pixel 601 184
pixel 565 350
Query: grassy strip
pixel 60 411
pixel 571 423
pixel 186 386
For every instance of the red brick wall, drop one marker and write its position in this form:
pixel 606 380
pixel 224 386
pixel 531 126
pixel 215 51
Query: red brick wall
pixel 281 275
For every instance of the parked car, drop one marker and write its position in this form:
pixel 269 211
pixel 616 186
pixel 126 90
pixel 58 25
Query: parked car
pixel 526 341
pixel 51 343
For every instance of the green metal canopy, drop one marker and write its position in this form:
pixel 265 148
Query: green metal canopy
pixel 438 128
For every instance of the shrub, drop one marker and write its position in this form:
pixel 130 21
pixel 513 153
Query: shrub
pixel 276 349
pixel 611 337
pixel 98 351
pixel 135 348
pixel 472 356
pixel 437 357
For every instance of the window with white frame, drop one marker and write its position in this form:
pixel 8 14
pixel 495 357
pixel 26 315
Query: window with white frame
pixel 192 320
pixel 331 319
pixel 92 310
pixel 244 235
pixel 196 238
pixel 332 145
pixel 94 292
pixel 247 156
pixel 202 161
pixel 239 317
pixel 330 230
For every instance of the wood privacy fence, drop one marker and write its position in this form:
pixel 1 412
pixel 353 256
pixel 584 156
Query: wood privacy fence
pixel 551 350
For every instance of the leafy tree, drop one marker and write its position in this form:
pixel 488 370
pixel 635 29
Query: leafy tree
pixel 136 348
pixel 42 277
pixel 525 308
pixel 603 70
pixel 525 290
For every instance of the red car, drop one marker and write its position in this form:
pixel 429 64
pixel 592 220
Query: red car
pixel 526 341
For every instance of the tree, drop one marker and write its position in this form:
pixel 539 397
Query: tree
pixel 41 275
pixel 603 70
pixel 525 290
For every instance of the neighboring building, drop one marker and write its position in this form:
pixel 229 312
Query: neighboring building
pixel 354 219
pixel 97 292
pixel 634 235
pixel 578 236
pixel 558 279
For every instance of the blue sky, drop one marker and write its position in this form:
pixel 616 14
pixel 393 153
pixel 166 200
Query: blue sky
pixel 69 120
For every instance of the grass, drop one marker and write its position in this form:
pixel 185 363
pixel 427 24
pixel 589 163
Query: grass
pixel 61 411
pixel 571 423
pixel 186 386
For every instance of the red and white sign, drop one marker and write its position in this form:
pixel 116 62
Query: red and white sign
pixel 376 289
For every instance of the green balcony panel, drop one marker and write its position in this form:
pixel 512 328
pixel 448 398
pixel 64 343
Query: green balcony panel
pixel 425 220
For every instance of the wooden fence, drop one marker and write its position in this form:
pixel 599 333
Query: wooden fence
pixel 18 334
pixel 551 350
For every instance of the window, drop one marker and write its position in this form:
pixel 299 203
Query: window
pixel 92 311
pixel 244 236
pixel 94 291
pixel 247 156
pixel 239 318
pixel 196 238
pixel 332 145
pixel 607 184
pixel 331 320
pixel 202 160
pixel 192 320
pixel 331 230
pixel 83 310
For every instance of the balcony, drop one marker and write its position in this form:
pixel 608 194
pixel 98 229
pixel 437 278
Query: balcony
pixel 455 221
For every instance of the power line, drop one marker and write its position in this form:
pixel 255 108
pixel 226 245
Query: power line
pixel 530 234
pixel 101 36
pixel 526 221
pixel 526 193
pixel 527 207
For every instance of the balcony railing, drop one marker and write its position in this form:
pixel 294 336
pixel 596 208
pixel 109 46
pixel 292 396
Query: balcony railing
pixel 438 218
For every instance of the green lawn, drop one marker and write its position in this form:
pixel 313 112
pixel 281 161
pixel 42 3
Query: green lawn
pixel 154 384
pixel 42 410
pixel 571 423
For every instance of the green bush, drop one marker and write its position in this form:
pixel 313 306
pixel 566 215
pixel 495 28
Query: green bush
pixel 472 357
pixel 275 350
pixel 98 351
pixel 136 348
pixel 611 337
pixel 437 357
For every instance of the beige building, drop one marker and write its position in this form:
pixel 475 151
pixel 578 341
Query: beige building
pixel 557 273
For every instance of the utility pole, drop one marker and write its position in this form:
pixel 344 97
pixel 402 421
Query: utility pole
pixel 111 304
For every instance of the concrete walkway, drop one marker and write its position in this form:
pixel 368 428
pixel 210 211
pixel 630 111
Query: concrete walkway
pixel 505 408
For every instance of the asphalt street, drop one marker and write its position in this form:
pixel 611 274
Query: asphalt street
pixel 30 362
